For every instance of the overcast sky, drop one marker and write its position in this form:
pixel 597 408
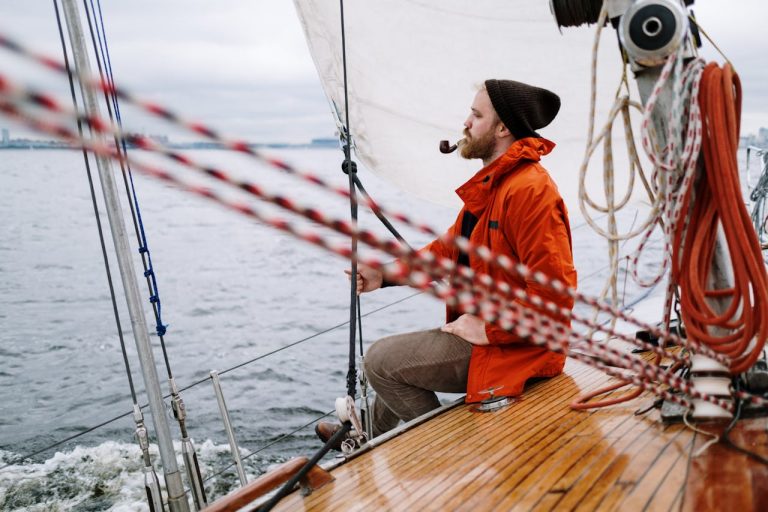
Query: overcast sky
pixel 243 65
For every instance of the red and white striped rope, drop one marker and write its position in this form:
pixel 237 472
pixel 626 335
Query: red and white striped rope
pixel 101 126
pixel 512 316
pixel 340 226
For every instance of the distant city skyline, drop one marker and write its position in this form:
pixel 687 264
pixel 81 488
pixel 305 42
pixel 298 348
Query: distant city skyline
pixel 40 141
pixel 759 139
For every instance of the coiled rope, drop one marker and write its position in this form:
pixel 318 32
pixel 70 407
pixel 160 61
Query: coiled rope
pixel 621 105
pixel 672 172
pixel 739 329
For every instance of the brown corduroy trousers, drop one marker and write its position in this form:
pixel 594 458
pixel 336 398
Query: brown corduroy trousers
pixel 405 370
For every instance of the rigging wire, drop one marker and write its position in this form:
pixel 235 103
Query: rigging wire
pixel 378 212
pixel 350 168
pixel 101 52
pixel 99 227
pixel 692 19
pixel 268 445
pixel 759 194
pixel 101 49
pixel 202 381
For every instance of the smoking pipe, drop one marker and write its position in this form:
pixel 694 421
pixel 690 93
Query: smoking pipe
pixel 445 146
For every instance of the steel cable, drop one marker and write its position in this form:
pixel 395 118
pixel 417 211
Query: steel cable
pixel 199 382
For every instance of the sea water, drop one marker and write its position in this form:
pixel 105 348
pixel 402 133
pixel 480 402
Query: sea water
pixel 231 289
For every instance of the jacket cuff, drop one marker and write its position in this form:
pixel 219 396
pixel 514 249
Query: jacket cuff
pixel 498 336
pixel 385 283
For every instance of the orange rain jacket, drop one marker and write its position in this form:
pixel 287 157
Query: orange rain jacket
pixel 521 215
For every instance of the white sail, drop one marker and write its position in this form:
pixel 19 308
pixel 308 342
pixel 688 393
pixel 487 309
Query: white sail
pixel 413 67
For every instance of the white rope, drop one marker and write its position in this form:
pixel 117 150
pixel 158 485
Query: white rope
pixel 714 438
pixel 674 165
pixel 622 105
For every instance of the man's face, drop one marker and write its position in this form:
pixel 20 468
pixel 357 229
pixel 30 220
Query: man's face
pixel 480 128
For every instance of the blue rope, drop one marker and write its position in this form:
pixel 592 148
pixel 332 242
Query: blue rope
pixel 154 297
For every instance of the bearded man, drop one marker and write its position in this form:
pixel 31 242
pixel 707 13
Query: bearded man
pixel 513 207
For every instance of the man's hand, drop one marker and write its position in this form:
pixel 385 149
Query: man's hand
pixel 469 327
pixel 368 279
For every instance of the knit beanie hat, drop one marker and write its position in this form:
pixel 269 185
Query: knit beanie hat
pixel 521 107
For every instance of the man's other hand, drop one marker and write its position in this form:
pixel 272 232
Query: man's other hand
pixel 368 279
pixel 469 327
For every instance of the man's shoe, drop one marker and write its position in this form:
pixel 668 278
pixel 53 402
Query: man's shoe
pixel 326 430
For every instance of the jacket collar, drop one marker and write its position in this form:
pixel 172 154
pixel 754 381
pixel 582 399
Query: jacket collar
pixel 476 190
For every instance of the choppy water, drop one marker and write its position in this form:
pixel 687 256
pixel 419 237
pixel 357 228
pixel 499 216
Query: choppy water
pixel 231 290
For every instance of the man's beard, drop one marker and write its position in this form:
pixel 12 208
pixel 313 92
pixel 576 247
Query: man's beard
pixel 478 147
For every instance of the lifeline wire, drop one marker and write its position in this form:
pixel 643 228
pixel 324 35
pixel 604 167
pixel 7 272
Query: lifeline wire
pixel 268 445
pixel 202 381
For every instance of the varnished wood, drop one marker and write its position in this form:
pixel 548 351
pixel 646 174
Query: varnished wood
pixel 539 454
pixel 722 478
pixel 316 478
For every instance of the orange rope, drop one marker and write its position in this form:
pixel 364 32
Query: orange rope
pixel 739 329
pixel 582 401
pixel 718 202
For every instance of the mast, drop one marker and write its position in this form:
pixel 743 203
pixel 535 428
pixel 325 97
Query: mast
pixel 177 500
pixel 649 30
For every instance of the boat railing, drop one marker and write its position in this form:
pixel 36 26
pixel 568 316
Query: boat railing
pixel 589 277
pixel 209 378
pixel 758 192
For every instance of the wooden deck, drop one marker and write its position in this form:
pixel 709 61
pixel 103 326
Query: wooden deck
pixel 539 454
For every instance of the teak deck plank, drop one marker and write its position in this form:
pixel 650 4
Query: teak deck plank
pixel 615 468
pixel 644 491
pixel 545 475
pixel 721 477
pixel 526 447
pixel 539 454
pixel 649 450
pixel 580 481
pixel 476 457
pixel 671 487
